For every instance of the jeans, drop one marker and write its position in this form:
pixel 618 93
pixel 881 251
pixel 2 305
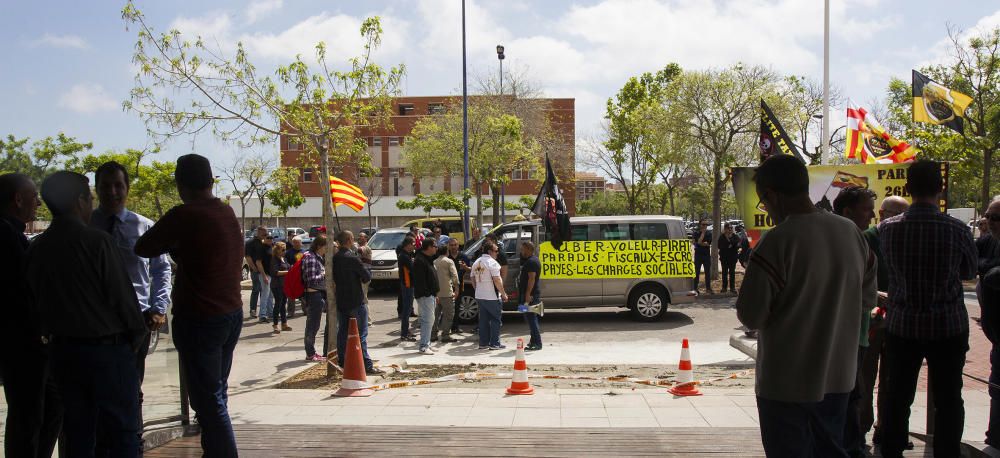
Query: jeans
pixel 34 410
pixel 803 429
pixel 426 306
pixel 443 316
pixel 993 431
pixel 266 301
pixel 99 388
pixel 489 322
pixel 404 308
pixel 706 262
pixel 254 291
pixel 728 274
pixel 344 320
pixel 315 305
pixel 536 333
pixel 205 347
pixel 280 303
pixel 945 360
pixel 854 435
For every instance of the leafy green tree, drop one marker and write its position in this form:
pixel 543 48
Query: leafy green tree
pixel 441 200
pixel 603 204
pixel 42 157
pixel 248 176
pixel 207 90
pixel 284 193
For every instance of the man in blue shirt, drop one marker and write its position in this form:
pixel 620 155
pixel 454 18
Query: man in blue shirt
pixel 150 277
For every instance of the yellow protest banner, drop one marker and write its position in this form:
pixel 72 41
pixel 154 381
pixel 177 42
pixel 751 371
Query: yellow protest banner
pixel 617 259
pixel 825 182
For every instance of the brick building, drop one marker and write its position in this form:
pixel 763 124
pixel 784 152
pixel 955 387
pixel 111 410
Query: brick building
pixel 588 184
pixel 395 183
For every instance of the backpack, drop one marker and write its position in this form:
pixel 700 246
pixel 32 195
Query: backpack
pixel 294 287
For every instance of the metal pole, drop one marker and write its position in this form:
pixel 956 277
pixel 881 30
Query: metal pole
pixel 826 84
pixel 465 131
pixel 503 186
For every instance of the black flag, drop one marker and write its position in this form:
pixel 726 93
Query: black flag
pixel 551 208
pixel 773 139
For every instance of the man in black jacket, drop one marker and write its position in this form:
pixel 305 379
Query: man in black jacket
pixel 425 289
pixel 348 275
pixel 404 306
pixel 33 411
pixel 989 303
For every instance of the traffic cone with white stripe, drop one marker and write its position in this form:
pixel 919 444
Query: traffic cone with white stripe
pixel 354 382
pixel 519 379
pixel 686 386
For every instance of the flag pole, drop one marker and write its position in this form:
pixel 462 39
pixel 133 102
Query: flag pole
pixel 826 84
pixel 465 133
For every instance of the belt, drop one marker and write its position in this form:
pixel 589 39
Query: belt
pixel 116 339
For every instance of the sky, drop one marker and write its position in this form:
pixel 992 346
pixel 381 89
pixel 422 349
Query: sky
pixel 67 64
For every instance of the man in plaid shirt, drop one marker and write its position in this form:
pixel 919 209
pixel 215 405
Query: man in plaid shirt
pixel 928 254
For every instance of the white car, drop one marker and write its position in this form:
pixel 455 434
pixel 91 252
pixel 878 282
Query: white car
pixel 383 245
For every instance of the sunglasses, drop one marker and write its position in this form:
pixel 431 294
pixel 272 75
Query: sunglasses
pixel 995 217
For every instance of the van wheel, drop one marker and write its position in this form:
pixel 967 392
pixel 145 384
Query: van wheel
pixel 468 309
pixel 648 303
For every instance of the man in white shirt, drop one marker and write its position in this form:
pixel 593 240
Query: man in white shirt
pixel 486 277
pixel 806 299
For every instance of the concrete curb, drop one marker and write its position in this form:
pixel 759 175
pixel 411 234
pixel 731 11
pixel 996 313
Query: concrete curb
pixel 744 344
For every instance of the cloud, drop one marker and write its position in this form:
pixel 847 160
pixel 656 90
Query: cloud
pixel 258 9
pixel 340 32
pixel 943 51
pixel 61 41
pixel 88 98
pixel 215 28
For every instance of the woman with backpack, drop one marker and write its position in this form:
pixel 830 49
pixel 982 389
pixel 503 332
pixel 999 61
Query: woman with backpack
pixel 278 269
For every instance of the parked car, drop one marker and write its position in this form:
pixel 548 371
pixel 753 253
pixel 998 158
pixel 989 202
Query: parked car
pixel 647 297
pixel 383 245
pixel 369 230
pixel 293 232
pixel 452 226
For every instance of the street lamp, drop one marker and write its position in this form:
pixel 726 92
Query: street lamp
pixel 503 186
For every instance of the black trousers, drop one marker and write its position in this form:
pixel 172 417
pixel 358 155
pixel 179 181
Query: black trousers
pixel 706 262
pixel 728 274
pixel 34 409
pixel 945 360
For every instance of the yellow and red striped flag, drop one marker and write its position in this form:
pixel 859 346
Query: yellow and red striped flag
pixel 344 193
pixel 868 141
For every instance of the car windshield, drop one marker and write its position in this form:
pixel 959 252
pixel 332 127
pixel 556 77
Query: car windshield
pixel 386 240
pixel 276 232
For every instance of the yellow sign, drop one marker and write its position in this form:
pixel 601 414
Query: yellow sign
pixel 617 259
pixel 825 182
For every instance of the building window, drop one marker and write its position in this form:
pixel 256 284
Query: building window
pixel 405 109
pixel 376 141
pixel 307 175
pixel 435 108
pixel 294 145
pixel 393 141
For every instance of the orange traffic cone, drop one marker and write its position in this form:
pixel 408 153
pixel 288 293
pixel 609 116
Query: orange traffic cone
pixel 686 386
pixel 354 382
pixel 519 379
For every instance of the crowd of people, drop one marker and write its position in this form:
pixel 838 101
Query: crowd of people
pixel 868 303
pixel 94 286
pixel 733 246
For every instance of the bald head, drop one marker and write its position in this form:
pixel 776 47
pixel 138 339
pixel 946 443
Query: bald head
pixel 892 206
pixel 992 217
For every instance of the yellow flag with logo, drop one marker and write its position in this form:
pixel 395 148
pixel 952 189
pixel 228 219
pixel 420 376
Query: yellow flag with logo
pixel 936 104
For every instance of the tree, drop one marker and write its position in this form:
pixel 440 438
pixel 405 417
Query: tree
pixel 799 107
pixel 248 175
pixel 324 109
pixel 42 158
pixel 719 110
pixel 626 152
pixel 284 192
pixel 497 147
pixel 442 200
pixel 152 190
pixel 603 204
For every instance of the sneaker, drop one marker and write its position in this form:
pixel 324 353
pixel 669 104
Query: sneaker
pixel 286 327
pixel 427 351
pixel 533 347
pixel 316 357
pixel 408 339
pixel 374 371
pixel 484 347
pixel 497 347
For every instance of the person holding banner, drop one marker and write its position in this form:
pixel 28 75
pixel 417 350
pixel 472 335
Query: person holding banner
pixel 929 254
pixel 805 299
pixel 702 240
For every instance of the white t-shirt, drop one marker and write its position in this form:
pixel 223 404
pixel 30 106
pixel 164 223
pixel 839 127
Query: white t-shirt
pixel 483 271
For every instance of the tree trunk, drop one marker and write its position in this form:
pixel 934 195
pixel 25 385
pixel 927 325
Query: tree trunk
pixel 670 193
pixel 987 171
pixel 243 214
pixel 496 205
pixel 717 188
pixel 260 218
pixel 331 324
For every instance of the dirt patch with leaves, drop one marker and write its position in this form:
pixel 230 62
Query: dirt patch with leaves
pixel 315 377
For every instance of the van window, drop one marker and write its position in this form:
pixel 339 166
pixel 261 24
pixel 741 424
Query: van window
pixel 614 232
pixel 452 227
pixel 649 231
pixel 581 232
